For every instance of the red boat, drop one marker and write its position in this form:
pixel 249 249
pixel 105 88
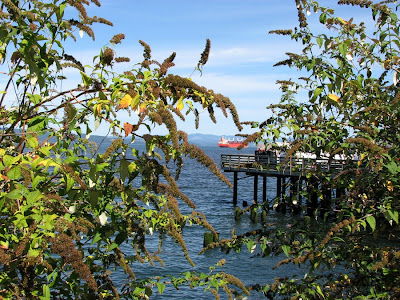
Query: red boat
pixel 230 143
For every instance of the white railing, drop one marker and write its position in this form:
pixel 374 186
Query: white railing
pixel 279 164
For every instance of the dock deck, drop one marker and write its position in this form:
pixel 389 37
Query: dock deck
pixel 281 167
pixel 272 166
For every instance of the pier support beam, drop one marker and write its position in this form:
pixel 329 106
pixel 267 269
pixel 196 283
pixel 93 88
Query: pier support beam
pixel 278 187
pixel 255 188
pixel 283 204
pixel 284 186
pixel 340 192
pixel 326 198
pixel 312 201
pixel 300 189
pixel 264 194
pixel 235 186
pixel 293 192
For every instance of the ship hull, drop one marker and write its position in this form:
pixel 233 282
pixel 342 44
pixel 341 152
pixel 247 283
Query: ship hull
pixel 231 145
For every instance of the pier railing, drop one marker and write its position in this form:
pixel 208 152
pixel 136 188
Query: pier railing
pixel 276 165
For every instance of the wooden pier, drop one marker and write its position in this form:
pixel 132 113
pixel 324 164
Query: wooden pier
pixel 289 171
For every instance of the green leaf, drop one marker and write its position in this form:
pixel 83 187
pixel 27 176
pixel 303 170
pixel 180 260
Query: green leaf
pixel 60 11
pixel 393 168
pixel 135 101
pixel 322 18
pixel 343 49
pixel 319 291
pixel 10 160
pixel 96 238
pixel 33 252
pixel 394 215
pixel 112 246
pixel 35 99
pixel 14 194
pixel 86 79
pixel 148 213
pixel 52 276
pixel 46 293
pixel 45 150
pixel 251 246
pixel 372 222
pixel 148 291
pixel 36 180
pixel 70 182
pixel 160 287
pixel 124 169
pixel 120 238
pixel 132 167
pixel 2 201
pixel 276 132
pixel 37 124
pixel 286 250
pixel 33 197
pixel 320 41
pixel 14 173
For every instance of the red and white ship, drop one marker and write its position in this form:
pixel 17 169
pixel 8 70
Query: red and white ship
pixel 230 143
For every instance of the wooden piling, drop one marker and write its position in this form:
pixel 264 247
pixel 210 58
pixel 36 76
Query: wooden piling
pixel 278 187
pixel 326 198
pixel 264 194
pixel 312 201
pixel 293 192
pixel 235 187
pixel 255 191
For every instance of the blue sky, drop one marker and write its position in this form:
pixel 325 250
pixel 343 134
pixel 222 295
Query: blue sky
pixel 242 55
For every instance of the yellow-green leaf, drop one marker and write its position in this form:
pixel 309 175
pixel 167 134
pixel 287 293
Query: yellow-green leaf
pixel 132 167
pixel 125 101
pixel 135 101
pixel 342 21
pixel 180 104
pixel 334 97
pixel 372 222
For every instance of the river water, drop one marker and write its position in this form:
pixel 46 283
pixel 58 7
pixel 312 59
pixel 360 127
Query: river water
pixel 214 199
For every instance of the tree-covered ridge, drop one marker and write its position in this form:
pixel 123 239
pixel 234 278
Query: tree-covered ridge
pixel 66 208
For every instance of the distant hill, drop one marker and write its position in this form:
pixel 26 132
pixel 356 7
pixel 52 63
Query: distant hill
pixel 203 139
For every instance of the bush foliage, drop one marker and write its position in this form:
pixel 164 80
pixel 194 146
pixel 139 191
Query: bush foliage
pixel 350 76
pixel 71 213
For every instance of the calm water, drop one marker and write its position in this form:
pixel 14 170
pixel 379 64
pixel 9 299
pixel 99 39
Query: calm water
pixel 214 199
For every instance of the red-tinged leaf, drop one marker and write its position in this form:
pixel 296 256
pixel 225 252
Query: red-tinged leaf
pixel 97 108
pixel 4 245
pixel 4 177
pixel 128 128
pixel 125 102
pixel 143 107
